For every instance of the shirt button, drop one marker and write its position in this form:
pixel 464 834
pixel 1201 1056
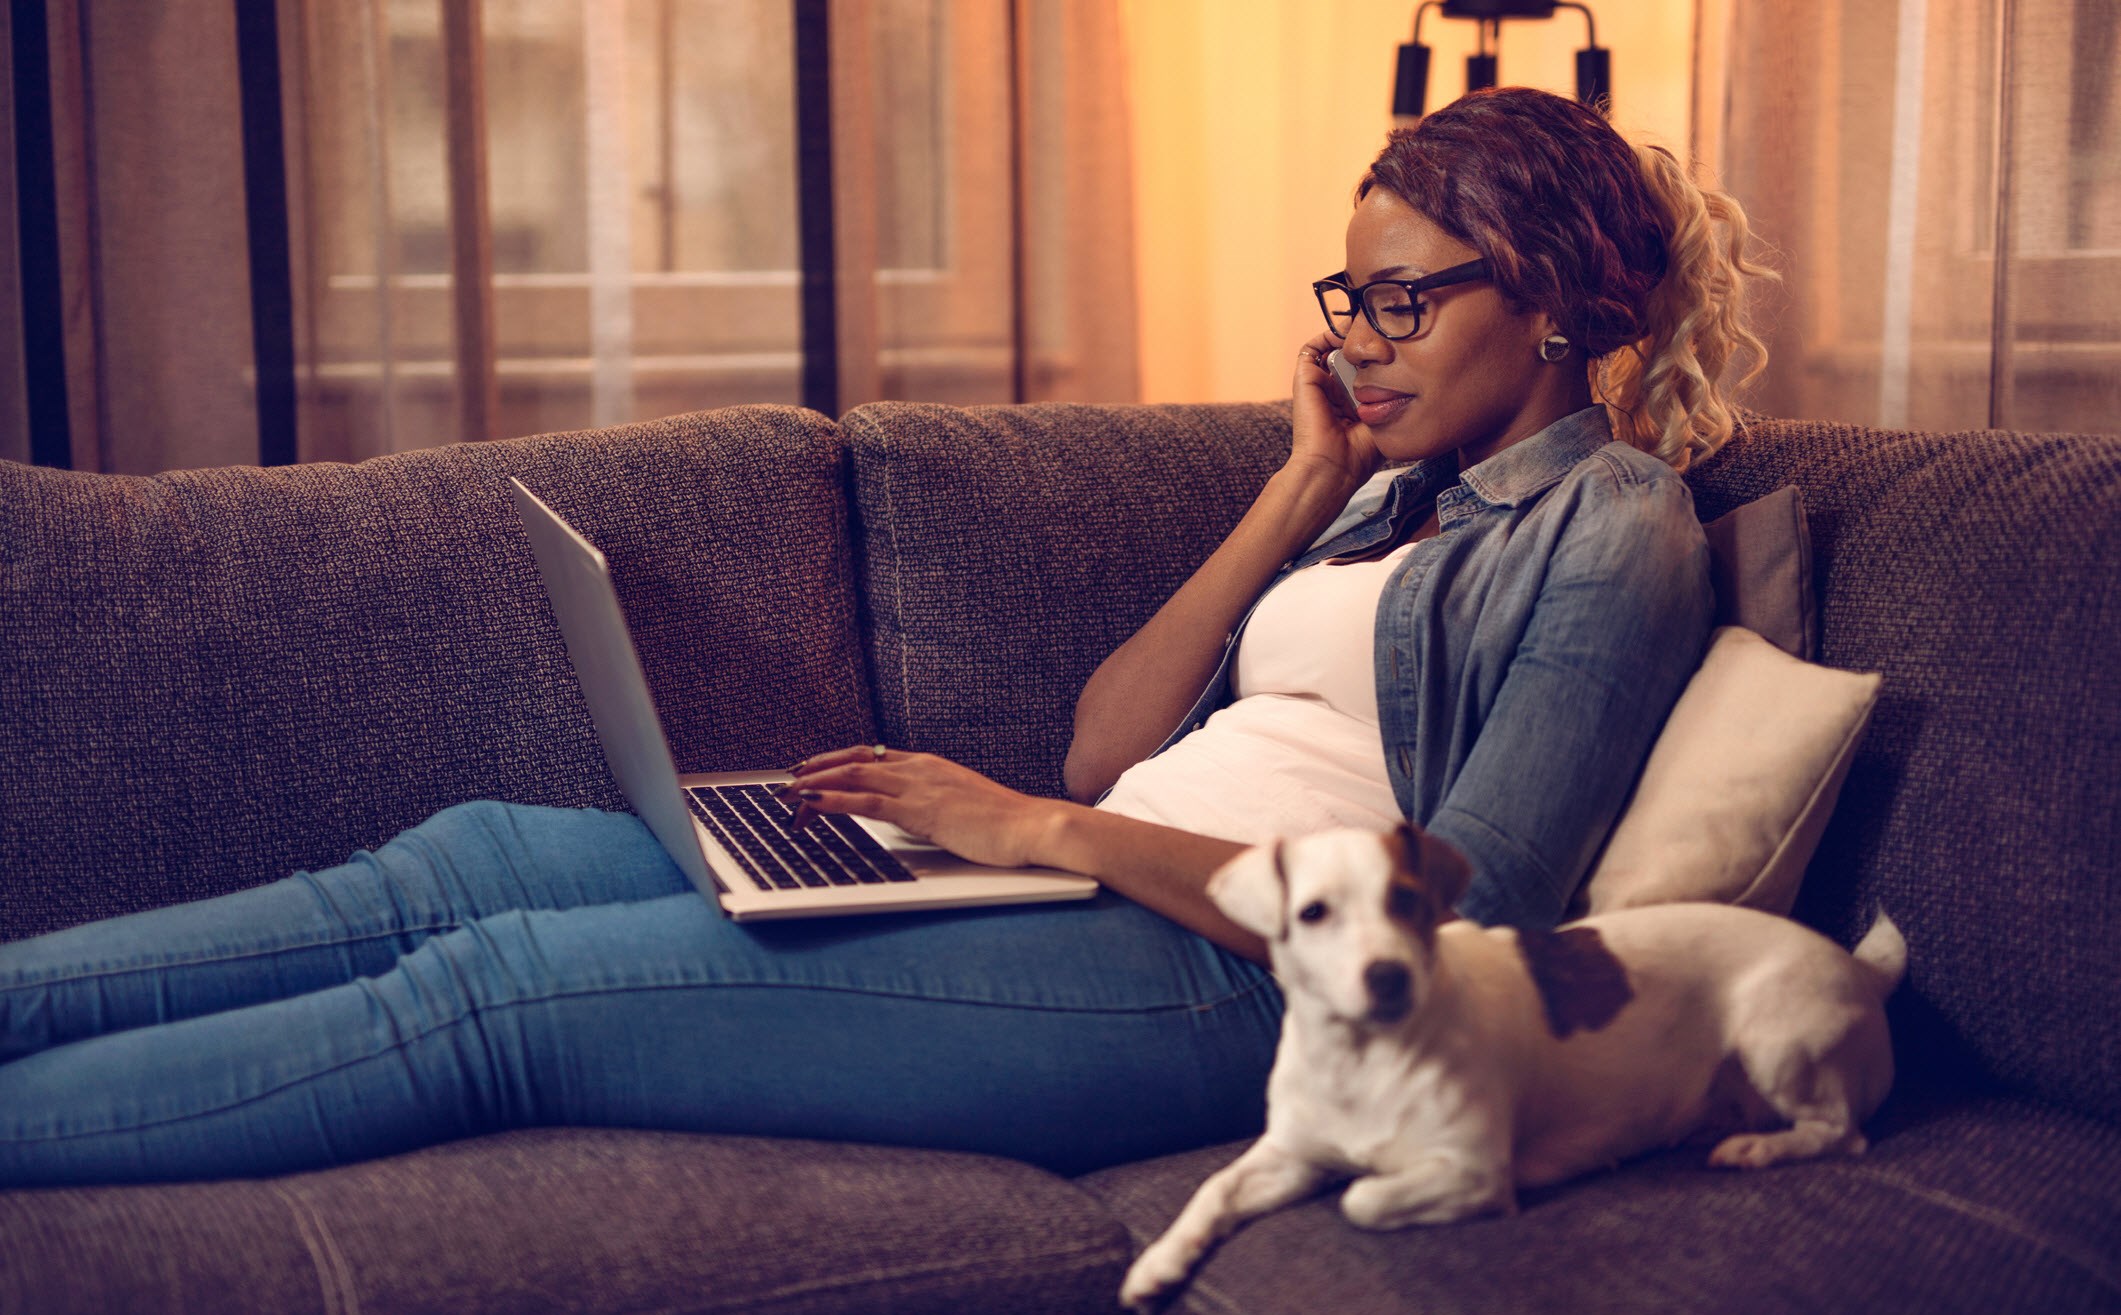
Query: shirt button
pixel 1197 725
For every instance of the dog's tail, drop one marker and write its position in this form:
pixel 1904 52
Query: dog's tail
pixel 1883 953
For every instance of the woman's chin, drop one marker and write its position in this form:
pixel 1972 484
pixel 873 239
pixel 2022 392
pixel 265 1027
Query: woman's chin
pixel 1405 442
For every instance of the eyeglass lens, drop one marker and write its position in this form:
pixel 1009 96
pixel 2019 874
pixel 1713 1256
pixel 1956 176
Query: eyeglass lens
pixel 1392 312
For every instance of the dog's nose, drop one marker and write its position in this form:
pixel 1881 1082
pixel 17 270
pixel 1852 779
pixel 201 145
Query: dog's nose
pixel 1388 983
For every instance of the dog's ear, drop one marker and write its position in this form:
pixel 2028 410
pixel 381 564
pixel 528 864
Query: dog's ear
pixel 1253 890
pixel 1438 863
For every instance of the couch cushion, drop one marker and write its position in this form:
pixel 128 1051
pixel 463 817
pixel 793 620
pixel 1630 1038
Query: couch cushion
pixel 1977 572
pixel 1739 784
pixel 1969 1206
pixel 1760 562
pixel 213 677
pixel 1006 551
pixel 577 1220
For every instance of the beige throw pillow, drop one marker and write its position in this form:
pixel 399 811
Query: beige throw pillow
pixel 1739 785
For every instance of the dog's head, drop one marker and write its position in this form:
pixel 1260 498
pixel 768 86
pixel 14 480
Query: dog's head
pixel 1350 917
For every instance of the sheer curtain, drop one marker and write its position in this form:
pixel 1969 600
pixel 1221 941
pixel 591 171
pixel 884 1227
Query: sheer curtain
pixel 1943 181
pixel 514 216
pixel 642 223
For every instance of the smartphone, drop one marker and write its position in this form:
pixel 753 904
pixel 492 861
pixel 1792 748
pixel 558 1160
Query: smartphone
pixel 1342 390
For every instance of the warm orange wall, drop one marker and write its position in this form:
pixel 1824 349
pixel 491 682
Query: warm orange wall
pixel 1253 119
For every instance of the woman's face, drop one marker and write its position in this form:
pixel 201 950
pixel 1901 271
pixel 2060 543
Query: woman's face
pixel 1470 379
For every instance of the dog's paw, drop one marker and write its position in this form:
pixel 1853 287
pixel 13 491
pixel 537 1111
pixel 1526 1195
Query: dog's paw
pixel 1744 1151
pixel 1758 1150
pixel 1153 1277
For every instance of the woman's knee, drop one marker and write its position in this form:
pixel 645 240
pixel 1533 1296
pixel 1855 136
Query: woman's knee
pixel 533 856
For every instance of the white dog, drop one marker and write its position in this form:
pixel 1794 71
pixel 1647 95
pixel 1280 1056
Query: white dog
pixel 1442 1065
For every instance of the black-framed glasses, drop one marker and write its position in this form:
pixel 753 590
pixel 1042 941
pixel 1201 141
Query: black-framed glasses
pixel 1392 306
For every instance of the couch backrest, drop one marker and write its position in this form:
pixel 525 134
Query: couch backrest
pixel 211 678
pixel 1981 573
pixel 1004 551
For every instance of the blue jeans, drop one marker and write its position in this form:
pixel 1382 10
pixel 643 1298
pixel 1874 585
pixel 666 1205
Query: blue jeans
pixel 501 966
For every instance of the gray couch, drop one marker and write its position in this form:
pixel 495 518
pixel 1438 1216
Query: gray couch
pixel 210 678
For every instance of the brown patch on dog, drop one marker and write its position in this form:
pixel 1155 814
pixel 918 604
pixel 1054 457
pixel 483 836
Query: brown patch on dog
pixel 1438 868
pixel 1581 985
pixel 1428 878
pixel 1410 903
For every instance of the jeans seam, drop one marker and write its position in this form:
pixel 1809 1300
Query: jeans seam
pixel 477 1010
pixel 148 966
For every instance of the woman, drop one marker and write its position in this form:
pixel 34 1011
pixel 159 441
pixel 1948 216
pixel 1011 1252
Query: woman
pixel 1484 642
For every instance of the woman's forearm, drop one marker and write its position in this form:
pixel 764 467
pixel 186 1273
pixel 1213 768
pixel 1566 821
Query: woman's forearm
pixel 982 820
pixel 1135 698
pixel 1161 868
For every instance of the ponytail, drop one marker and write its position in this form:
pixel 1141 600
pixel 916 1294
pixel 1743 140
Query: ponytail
pixel 1663 391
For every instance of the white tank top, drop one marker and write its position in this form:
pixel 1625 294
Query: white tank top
pixel 1297 749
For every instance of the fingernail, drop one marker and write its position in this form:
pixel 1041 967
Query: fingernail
pixel 806 795
pixel 797 770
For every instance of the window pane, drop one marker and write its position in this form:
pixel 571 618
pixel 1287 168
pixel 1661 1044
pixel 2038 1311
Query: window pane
pixel 730 120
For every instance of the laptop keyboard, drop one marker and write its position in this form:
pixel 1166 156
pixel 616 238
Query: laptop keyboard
pixel 751 823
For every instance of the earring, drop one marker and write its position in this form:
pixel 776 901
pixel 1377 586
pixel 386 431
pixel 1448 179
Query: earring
pixel 1553 348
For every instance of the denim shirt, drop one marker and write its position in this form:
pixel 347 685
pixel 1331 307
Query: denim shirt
pixel 1528 654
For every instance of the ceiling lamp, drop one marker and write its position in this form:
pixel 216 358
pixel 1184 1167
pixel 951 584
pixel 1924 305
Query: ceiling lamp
pixel 1410 88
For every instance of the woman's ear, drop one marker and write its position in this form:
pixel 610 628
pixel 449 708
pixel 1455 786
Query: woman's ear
pixel 1252 890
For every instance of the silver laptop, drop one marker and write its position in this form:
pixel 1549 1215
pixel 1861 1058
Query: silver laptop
pixel 727 830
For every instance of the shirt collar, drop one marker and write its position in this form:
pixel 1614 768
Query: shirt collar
pixel 1527 468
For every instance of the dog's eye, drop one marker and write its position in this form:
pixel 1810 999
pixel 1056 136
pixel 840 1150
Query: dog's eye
pixel 1315 911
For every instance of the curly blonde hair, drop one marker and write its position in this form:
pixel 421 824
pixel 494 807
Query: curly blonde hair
pixel 1638 264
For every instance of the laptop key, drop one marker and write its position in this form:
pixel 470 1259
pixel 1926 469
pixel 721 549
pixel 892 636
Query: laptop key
pixel 743 843
pixel 754 825
pixel 874 853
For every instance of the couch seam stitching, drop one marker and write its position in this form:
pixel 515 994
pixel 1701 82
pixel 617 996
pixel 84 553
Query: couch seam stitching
pixel 1996 1219
pixel 334 1281
pixel 898 594
pixel 1083 1258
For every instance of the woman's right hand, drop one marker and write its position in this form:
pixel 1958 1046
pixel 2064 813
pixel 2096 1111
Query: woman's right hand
pixel 1325 441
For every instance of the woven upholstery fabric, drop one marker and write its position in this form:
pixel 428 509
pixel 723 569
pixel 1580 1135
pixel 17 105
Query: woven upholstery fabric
pixel 593 1221
pixel 1975 1207
pixel 1981 574
pixel 214 677
pixel 1006 551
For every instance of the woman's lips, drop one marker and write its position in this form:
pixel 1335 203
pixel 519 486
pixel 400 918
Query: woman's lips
pixel 1379 406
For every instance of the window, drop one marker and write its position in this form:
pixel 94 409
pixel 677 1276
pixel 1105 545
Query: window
pixel 706 169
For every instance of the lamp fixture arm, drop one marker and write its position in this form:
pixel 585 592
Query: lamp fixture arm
pixel 1590 24
pixel 1424 7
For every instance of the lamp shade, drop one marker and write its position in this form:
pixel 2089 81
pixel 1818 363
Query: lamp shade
pixel 1594 75
pixel 1410 88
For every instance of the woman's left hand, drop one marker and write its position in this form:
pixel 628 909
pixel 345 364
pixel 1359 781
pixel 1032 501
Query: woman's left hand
pixel 931 798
